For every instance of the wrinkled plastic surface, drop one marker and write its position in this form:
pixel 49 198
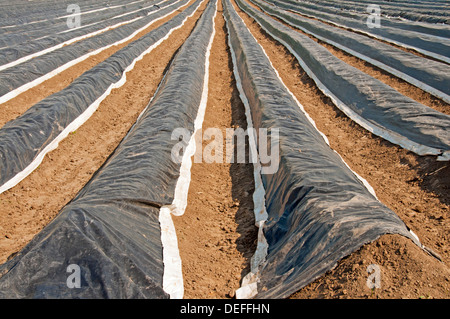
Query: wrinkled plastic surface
pixel 24 12
pixel 55 29
pixel 23 73
pixel 24 138
pixel 319 210
pixel 374 105
pixel 432 73
pixel 438 47
pixel 111 229
pixel 430 12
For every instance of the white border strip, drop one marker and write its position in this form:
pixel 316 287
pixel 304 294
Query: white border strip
pixel 83 117
pixel 427 88
pixel 12 94
pixel 390 136
pixel 173 274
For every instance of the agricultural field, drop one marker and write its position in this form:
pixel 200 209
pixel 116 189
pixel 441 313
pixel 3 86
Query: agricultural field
pixel 225 149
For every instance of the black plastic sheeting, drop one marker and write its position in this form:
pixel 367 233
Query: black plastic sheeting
pixel 427 44
pixel 28 71
pixel 24 12
pixel 29 38
pixel 427 28
pixel 24 138
pixel 318 210
pixel 111 229
pixel 430 29
pixel 432 73
pixel 432 12
pixel 368 101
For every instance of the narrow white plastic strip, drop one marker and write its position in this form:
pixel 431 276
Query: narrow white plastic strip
pixel 248 287
pixel 12 94
pixel 83 117
pixel 173 275
pixel 390 136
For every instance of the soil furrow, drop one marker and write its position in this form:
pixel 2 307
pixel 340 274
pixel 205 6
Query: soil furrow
pixel 216 234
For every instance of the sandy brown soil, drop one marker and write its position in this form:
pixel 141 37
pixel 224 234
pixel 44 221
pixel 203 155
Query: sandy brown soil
pixel 216 235
pixel 32 204
pixel 414 187
pixel 18 105
pixel 405 272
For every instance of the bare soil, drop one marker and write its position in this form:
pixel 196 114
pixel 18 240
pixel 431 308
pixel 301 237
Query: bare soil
pixel 216 235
